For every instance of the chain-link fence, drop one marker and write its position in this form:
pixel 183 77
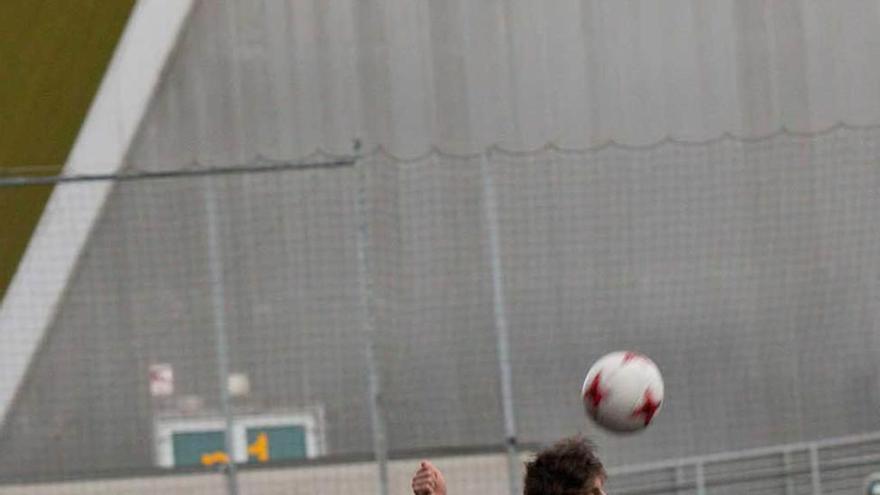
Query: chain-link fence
pixel 280 328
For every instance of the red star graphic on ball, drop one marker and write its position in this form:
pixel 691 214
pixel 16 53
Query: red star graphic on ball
pixel 594 394
pixel 629 356
pixel 648 408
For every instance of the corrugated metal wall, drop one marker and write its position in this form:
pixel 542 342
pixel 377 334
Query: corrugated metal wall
pixel 287 78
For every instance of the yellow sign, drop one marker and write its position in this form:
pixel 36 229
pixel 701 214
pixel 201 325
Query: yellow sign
pixel 213 458
pixel 258 449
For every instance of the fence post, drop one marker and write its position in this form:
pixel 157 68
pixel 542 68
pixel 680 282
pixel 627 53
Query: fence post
pixel 701 478
pixel 218 304
pixel 501 331
pixel 786 464
pixel 679 478
pixel 368 318
pixel 815 476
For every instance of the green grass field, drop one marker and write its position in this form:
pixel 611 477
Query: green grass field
pixel 53 54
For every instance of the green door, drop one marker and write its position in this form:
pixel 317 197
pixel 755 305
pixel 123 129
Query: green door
pixel 191 445
pixel 281 443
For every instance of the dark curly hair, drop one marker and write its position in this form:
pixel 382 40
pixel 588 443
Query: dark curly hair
pixel 570 467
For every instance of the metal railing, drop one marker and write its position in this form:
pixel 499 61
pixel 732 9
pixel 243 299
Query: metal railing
pixel 838 465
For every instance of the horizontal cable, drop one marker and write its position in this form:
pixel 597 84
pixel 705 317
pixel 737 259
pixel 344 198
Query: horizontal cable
pixel 135 175
pixel 324 159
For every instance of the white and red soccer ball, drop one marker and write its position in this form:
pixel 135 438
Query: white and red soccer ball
pixel 623 391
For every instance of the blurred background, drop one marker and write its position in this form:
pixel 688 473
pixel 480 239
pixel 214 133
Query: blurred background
pixel 295 246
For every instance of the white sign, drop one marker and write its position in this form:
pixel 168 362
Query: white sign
pixel 239 384
pixel 161 380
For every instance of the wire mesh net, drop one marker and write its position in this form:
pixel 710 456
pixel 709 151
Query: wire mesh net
pixel 303 325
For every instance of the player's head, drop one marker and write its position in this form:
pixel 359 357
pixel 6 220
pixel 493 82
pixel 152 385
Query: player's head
pixel 570 467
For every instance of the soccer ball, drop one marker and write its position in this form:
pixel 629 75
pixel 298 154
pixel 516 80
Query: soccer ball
pixel 623 392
